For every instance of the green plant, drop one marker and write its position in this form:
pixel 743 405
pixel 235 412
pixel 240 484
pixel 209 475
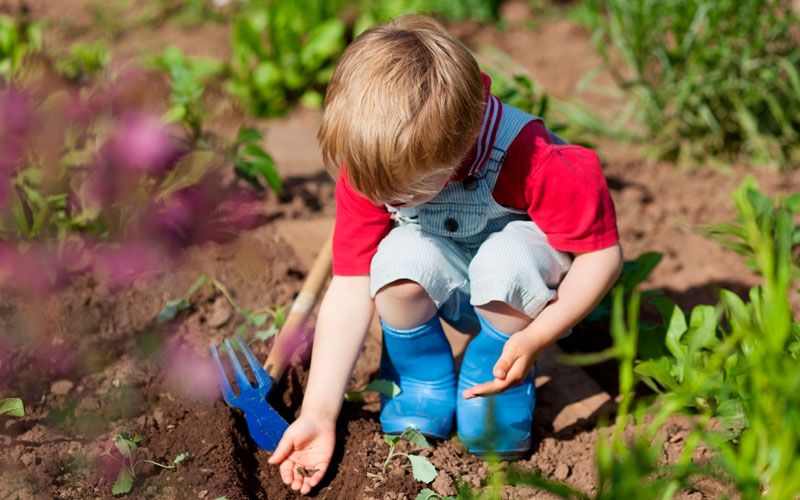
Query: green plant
pixel 711 78
pixel 84 60
pixel 12 407
pixel 743 371
pixel 173 307
pixel 126 447
pixel 189 77
pixel 253 318
pixel 429 494
pixel 284 51
pixel 251 162
pixel 422 469
pixel 385 387
pixel 18 38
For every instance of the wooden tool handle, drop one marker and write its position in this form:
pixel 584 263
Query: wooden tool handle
pixel 290 336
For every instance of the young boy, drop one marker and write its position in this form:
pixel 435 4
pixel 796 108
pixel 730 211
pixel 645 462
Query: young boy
pixel 500 227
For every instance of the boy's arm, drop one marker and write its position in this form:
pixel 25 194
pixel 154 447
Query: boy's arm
pixel 306 448
pixel 589 278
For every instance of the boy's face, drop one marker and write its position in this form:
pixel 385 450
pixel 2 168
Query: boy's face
pixel 437 182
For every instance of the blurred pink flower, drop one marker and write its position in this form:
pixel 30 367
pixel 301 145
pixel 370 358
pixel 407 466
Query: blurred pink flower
pixel 118 266
pixel 16 119
pixel 191 376
pixel 142 145
pixel 55 360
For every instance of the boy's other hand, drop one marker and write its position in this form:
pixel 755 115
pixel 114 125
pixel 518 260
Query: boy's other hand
pixel 305 451
pixel 516 360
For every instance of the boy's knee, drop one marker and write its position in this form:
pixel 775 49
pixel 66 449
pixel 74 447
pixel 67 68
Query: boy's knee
pixel 404 304
pixel 402 291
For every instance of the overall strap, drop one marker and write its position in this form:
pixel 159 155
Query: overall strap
pixel 512 120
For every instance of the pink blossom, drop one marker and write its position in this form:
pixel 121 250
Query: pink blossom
pixel 190 375
pixel 142 145
pixel 118 266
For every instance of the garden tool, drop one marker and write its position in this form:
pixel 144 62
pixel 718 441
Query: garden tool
pixel 266 426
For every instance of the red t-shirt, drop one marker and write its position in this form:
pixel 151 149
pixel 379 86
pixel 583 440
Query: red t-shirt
pixel 561 187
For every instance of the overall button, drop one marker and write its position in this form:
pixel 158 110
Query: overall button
pixel 470 183
pixel 451 225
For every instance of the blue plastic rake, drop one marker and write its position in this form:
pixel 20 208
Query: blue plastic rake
pixel 265 425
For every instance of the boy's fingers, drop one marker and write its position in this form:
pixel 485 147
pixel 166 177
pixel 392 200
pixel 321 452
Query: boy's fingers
pixel 501 368
pixel 485 388
pixel 317 477
pixel 507 359
pixel 310 482
pixel 287 472
pixel 282 451
pixel 298 479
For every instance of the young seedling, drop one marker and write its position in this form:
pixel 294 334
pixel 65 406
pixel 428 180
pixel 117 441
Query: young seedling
pixel 127 446
pixel 422 469
pixel 253 318
pixel 429 494
pixel 256 318
pixel 385 387
pixel 12 407
pixel 173 307
pixel 252 162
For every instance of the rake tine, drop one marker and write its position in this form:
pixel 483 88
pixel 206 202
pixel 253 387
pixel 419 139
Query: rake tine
pixel 241 377
pixel 227 390
pixel 261 376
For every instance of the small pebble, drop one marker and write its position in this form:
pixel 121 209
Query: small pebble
pixel 561 472
pixel 202 494
pixel 61 387
pixel 220 313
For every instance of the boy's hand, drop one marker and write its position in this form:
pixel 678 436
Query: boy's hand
pixel 305 452
pixel 519 354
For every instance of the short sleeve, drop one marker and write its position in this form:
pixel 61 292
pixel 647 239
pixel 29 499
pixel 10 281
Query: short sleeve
pixel 360 226
pixel 567 197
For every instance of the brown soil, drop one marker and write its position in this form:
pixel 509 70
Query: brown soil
pixel 92 361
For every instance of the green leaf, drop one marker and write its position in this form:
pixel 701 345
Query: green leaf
pixel 266 167
pixel 390 439
pixel 180 458
pixel 702 327
pixel 241 330
pixel 324 41
pixel 171 310
pixel 258 320
pixel 247 135
pixel 589 358
pixel 423 470
pixel 125 444
pixel 267 334
pixel 123 483
pixel 639 270
pixel 199 282
pixel 426 494
pixel 385 387
pixel 12 407
pixel 354 397
pixel 659 370
pixel 415 437
pixel 676 325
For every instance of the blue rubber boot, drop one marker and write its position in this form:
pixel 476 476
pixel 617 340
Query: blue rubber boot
pixel 499 424
pixel 420 361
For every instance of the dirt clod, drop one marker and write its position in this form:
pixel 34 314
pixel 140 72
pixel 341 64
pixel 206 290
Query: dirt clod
pixel 561 472
pixel 443 485
pixel 220 313
pixel 61 387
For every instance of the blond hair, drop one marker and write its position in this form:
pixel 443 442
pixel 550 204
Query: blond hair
pixel 404 104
